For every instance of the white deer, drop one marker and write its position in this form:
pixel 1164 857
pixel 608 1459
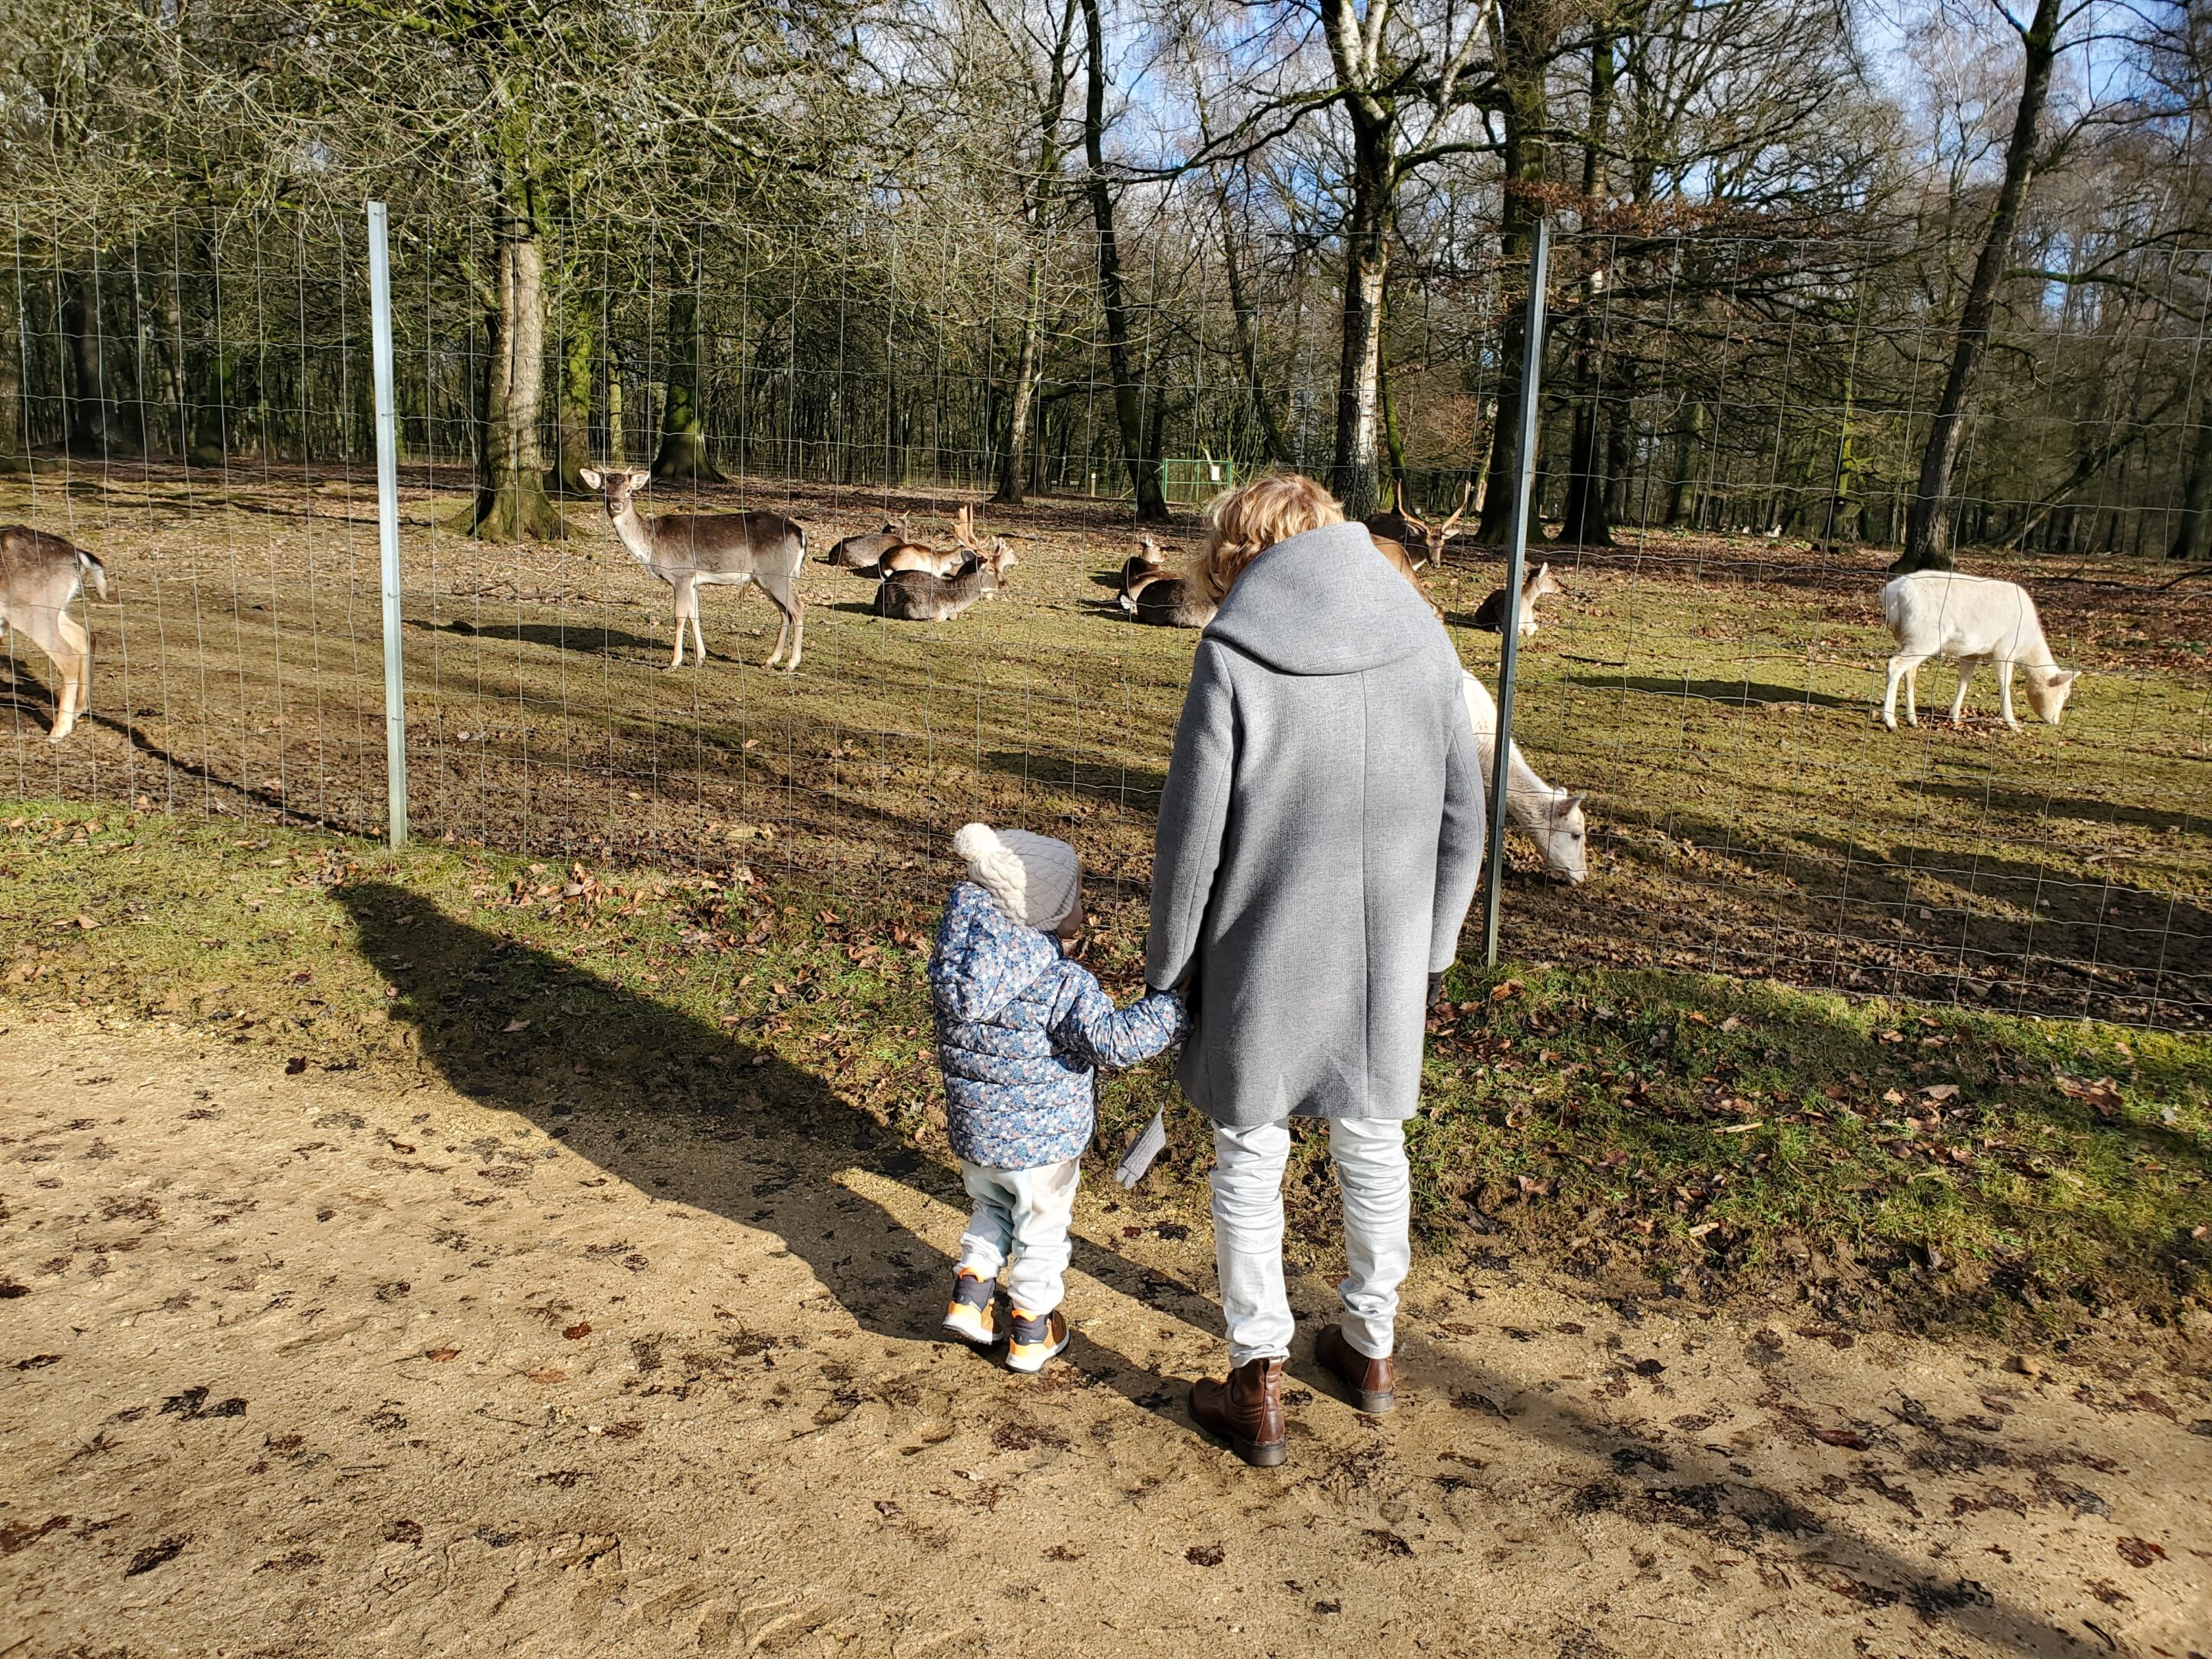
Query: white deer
pixel 39 575
pixel 1970 620
pixel 1551 817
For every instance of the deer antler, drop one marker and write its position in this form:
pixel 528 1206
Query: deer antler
pixel 963 530
pixel 1466 490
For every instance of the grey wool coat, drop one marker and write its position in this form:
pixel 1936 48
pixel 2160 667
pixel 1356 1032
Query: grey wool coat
pixel 1320 835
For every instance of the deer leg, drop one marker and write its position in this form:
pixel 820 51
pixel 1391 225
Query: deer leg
pixel 687 606
pixel 784 596
pixel 68 648
pixel 1902 668
pixel 697 638
pixel 1966 667
pixel 2004 687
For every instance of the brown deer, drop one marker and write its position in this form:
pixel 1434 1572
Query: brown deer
pixel 1490 614
pixel 1407 528
pixel 860 553
pixel 691 551
pixel 1142 566
pixel 39 575
pixel 921 596
pixel 965 554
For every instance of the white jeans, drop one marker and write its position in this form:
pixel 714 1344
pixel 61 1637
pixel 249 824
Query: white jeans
pixel 1021 1224
pixel 1369 1154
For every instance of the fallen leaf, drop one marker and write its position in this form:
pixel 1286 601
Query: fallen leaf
pixel 2023 1365
pixel 1506 992
pixel 1702 1228
pixel 518 1025
pixel 1892 1098
pixel 2139 1552
pixel 547 1374
pixel 577 1332
pixel 1942 1090
pixel 440 1354
pixel 1849 1439
pixel 87 923
pixel 2103 1095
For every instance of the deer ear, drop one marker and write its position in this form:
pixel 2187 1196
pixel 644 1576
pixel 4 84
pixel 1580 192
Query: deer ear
pixel 640 478
pixel 2068 677
pixel 590 475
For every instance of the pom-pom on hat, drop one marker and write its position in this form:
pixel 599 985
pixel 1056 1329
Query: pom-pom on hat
pixel 1031 877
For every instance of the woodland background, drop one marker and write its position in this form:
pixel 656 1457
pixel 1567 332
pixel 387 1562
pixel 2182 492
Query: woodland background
pixel 1911 274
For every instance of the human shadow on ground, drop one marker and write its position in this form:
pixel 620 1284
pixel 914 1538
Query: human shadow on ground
pixel 596 1058
pixel 2031 804
pixel 560 636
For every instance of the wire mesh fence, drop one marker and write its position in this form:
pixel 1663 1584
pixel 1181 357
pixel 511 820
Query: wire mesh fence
pixel 1731 423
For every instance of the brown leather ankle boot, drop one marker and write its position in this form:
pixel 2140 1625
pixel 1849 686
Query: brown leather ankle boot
pixel 1372 1383
pixel 1245 1408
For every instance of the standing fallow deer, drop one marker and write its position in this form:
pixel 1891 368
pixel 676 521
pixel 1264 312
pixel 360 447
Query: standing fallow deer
pixel 39 575
pixel 691 551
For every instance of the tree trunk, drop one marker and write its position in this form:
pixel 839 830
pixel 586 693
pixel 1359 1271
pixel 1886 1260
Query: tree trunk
pixel 572 412
pixel 2192 539
pixel 1620 436
pixel 1128 396
pixel 618 439
pixel 1928 529
pixel 1353 472
pixel 1014 464
pixel 1276 447
pixel 93 431
pixel 1527 28
pixel 683 452
pixel 511 504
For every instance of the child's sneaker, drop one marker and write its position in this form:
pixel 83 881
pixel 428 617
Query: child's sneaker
pixel 973 1313
pixel 1037 1337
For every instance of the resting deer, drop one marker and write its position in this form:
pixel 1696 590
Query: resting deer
pixel 919 596
pixel 691 551
pixel 1406 528
pixel 860 553
pixel 915 555
pixel 1142 566
pixel 1166 601
pixel 1490 615
pixel 39 575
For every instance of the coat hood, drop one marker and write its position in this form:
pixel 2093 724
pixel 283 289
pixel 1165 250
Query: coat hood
pixel 984 959
pixel 1325 603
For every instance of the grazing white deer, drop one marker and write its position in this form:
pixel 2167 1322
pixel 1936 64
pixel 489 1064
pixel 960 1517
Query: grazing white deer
pixel 39 575
pixel 1551 817
pixel 692 551
pixel 1490 615
pixel 1970 620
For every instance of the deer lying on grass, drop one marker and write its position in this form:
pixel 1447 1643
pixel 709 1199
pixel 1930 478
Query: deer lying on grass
pixel 965 554
pixel 1490 615
pixel 39 575
pixel 1970 620
pixel 860 553
pixel 1551 817
pixel 1143 565
pixel 1409 530
pixel 691 551
pixel 920 596
pixel 1150 595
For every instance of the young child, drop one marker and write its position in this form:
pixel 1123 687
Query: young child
pixel 1020 1030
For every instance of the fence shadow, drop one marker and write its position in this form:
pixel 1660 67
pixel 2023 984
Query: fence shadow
pixel 558 635
pixel 1738 693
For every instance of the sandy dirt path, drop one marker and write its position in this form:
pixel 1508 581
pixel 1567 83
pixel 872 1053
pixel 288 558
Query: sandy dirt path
pixel 353 1364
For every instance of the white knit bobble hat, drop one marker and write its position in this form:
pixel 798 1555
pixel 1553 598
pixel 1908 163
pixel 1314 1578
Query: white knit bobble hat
pixel 1032 878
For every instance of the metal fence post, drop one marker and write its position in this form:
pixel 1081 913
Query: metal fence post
pixel 388 519
pixel 1516 551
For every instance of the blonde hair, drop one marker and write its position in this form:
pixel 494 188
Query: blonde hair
pixel 1246 521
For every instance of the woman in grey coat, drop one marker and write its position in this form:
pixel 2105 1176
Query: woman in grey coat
pixel 1319 838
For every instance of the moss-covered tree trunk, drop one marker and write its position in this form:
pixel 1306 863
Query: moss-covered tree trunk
pixel 511 504
pixel 683 451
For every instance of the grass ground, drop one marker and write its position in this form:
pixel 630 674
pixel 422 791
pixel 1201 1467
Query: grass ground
pixel 1712 696
pixel 1629 1133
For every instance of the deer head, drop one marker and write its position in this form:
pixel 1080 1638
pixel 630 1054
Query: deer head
pixel 2048 689
pixel 619 487
pixel 1538 584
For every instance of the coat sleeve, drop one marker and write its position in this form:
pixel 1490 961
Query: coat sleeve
pixel 1086 1027
pixel 1460 841
pixel 1193 810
